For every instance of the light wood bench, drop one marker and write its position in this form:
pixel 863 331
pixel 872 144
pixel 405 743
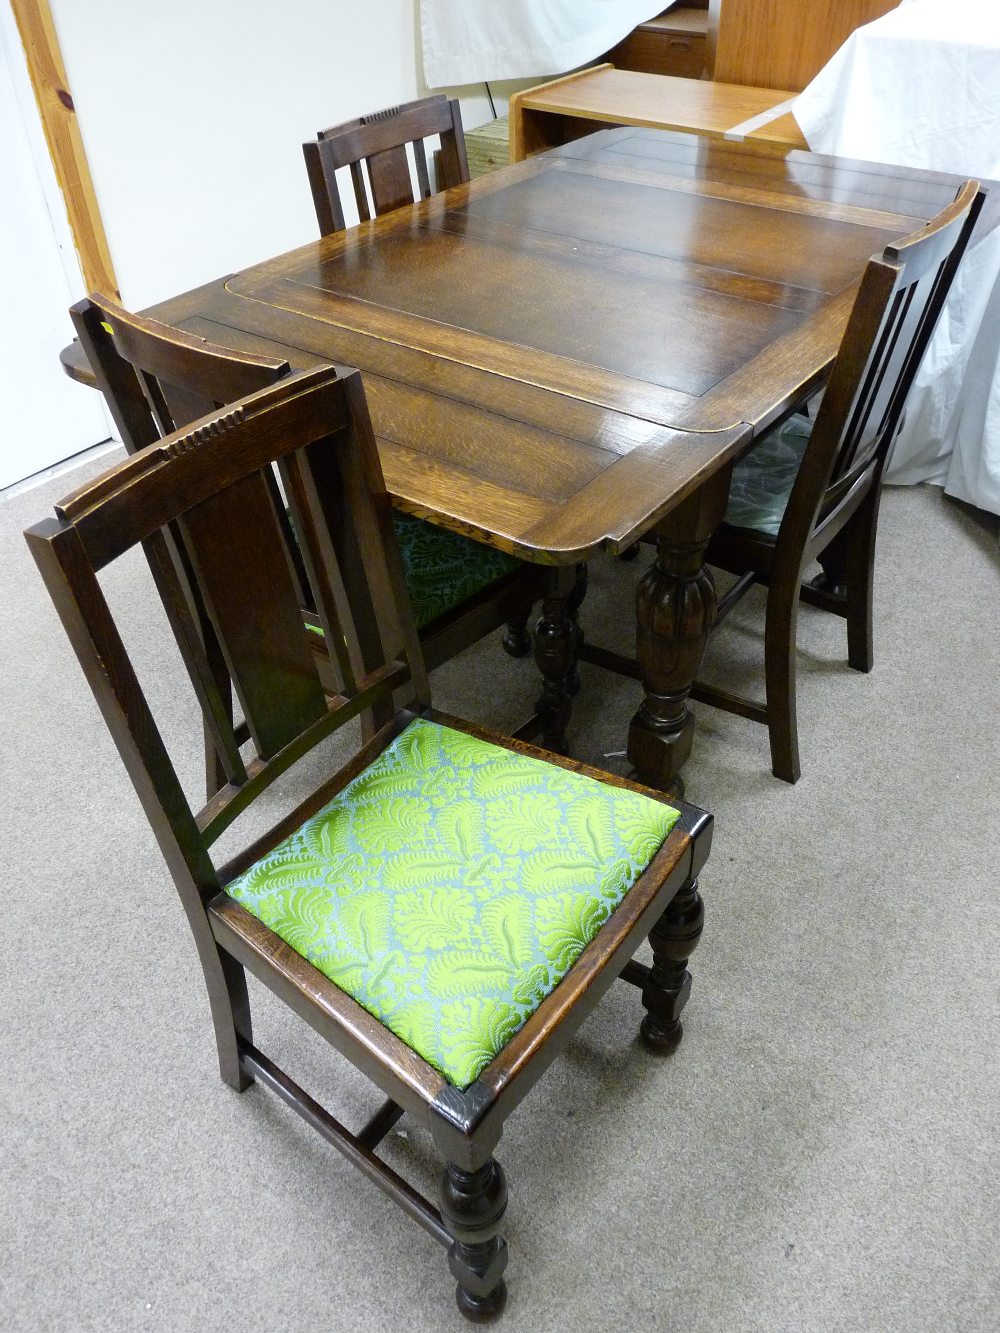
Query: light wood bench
pixel 564 109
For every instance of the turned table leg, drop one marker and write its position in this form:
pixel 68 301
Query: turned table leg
pixel 557 637
pixel 675 608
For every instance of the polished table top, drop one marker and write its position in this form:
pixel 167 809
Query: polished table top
pixel 573 351
pixel 557 354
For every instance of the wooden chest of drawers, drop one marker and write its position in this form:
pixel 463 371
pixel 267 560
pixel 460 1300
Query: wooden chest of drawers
pixel 673 43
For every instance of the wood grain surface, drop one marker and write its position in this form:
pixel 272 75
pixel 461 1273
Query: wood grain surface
pixel 572 352
pixel 65 142
pixel 557 354
pixel 783 43
pixel 554 113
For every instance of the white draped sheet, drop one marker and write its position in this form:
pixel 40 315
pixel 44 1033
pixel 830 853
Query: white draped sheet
pixel 921 87
pixel 470 41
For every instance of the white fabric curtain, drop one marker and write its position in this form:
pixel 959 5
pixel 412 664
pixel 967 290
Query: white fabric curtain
pixel 470 41
pixel 920 87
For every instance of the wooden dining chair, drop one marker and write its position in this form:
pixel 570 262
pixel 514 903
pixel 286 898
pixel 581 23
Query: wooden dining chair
pixel 374 148
pixel 377 148
pixel 156 378
pixel 448 906
pixel 811 491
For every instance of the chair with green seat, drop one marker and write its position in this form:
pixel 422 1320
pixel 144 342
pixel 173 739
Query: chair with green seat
pixel 156 378
pixel 810 491
pixel 444 909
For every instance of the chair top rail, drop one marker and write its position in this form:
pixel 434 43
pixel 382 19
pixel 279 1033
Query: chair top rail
pixel 135 359
pixel 381 131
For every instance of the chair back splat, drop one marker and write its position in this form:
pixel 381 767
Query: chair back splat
pixel 212 483
pixel 448 906
pixel 374 148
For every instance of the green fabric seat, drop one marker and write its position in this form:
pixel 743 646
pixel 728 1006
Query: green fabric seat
pixel 451 886
pixel 443 568
pixel 763 478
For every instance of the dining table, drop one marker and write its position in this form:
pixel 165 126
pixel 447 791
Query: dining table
pixel 569 355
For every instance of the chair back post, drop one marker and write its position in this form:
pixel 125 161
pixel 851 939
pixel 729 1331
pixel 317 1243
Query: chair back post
pixel 70 577
pixel 323 187
pixel 952 240
pixel 117 380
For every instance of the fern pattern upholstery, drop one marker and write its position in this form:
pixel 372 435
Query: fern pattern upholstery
pixel 443 568
pixel 451 886
pixel 763 478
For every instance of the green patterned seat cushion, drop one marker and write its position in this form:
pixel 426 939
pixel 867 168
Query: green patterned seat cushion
pixel 763 478
pixel 451 886
pixel 444 569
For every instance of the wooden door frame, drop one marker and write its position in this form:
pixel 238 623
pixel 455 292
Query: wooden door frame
pixel 65 142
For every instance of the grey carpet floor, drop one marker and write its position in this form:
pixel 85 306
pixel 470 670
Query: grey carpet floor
pixel 820 1153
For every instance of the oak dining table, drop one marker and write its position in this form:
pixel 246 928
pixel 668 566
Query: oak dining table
pixel 569 354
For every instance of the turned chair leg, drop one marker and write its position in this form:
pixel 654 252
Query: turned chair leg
pixel 472 1206
pixel 516 639
pixel 576 599
pixel 674 939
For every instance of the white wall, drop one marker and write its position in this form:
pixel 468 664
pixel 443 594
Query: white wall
pixel 48 418
pixel 193 114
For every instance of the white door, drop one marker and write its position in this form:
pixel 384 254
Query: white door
pixel 44 417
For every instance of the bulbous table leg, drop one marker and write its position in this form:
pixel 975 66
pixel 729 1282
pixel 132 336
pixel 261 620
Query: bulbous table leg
pixel 675 607
pixel 557 636
pixel 516 638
